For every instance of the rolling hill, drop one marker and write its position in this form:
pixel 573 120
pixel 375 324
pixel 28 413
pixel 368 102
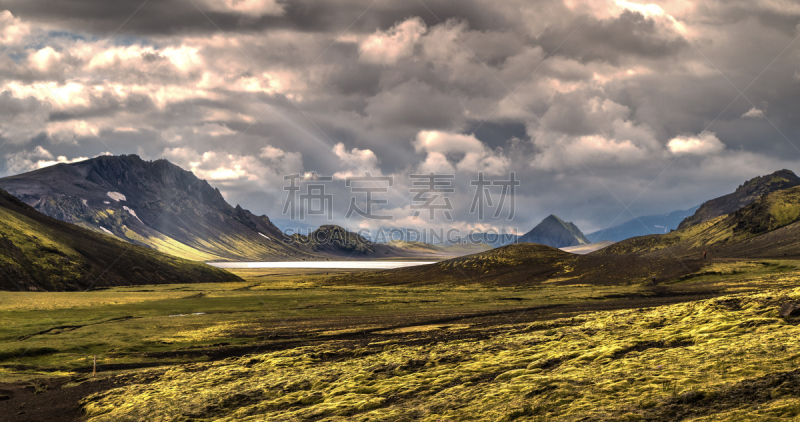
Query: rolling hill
pixel 555 232
pixel 530 264
pixel 44 254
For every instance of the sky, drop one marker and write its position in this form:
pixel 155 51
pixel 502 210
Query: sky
pixel 602 110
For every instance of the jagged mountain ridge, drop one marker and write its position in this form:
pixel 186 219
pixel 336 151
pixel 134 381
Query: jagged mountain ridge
pixel 555 232
pixel 41 253
pixel 744 195
pixel 152 203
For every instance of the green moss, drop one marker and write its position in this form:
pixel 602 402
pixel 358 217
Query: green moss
pixel 697 359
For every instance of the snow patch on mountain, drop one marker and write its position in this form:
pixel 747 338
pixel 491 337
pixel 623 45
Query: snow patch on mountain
pixel 132 212
pixel 116 196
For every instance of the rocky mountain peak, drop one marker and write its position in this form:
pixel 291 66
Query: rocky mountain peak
pixel 555 232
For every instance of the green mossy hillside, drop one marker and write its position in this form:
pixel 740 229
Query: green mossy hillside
pixel 745 194
pixel 43 254
pixel 774 216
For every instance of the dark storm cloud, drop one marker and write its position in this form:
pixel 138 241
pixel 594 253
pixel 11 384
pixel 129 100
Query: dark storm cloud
pixel 497 134
pixel 166 17
pixel 10 106
pixel 629 36
pixel 569 114
pixel 767 14
pixel 414 104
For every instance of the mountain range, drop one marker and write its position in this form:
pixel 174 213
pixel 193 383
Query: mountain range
pixel 159 205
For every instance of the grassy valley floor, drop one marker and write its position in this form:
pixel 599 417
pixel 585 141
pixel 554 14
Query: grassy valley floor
pixel 285 345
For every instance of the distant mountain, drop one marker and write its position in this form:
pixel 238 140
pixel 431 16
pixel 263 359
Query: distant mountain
pixel 744 195
pixel 44 254
pixel 642 226
pixel 553 231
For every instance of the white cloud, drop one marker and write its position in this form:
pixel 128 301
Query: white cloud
pixel 24 161
pixel 68 132
pixel 282 162
pixel 397 43
pixel 706 143
pixel 43 59
pixel 214 130
pixel 753 113
pixel 265 170
pixel 12 31
pixel 357 160
pixel 253 8
pixel 447 152
pixel 594 149
pixel 577 132
pixel 653 11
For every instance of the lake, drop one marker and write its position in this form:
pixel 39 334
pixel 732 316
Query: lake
pixel 338 265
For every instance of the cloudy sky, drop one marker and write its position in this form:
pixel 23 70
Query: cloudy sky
pixel 603 109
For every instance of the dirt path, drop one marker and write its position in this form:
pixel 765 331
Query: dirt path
pixel 46 400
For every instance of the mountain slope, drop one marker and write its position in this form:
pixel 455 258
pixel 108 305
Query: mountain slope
pixel 152 203
pixel 41 253
pixel 744 195
pixel 553 231
pixel 767 227
pixel 642 226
